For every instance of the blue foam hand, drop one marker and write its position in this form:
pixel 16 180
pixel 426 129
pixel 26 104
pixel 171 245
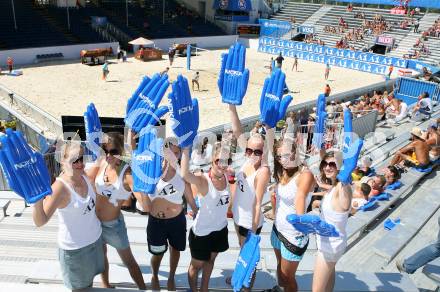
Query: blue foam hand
pixel 93 131
pixel 146 164
pixel 318 136
pixel 247 262
pixel 142 107
pixel 24 169
pixel 372 202
pixel 273 106
pixel 382 197
pixel 394 186
pixel 350 151
pixel 184 112
pixel 233 78
pixel 309 223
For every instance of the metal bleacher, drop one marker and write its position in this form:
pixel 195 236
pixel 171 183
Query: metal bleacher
pixel 28 255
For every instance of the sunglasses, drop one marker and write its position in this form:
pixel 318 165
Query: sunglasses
pixel 332 164
pixel 223 162
pixel 283 156
pixel 112 152
pixel 256 152
pixel 79 159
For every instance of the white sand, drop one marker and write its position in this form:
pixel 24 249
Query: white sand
pixel 67 88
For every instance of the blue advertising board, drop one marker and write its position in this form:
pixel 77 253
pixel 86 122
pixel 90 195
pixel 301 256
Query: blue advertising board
pixel 274 28
pixel 340 53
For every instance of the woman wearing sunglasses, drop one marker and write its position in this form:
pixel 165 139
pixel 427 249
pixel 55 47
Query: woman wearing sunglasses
pixel 294 184
pixel 335 208
pixel 80 253
pixel 323 181
pixel 167 221
pixel 114 184
pixel 209 233
pixel 251 184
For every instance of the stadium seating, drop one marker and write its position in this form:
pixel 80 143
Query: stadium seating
pixel 301 11
pixel 28 34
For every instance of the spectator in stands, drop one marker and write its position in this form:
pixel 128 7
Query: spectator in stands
pixel 416 25
pixel 201 155
pixel 335 208
pixel 294 183
pixel 423 106
pixel 113 179
pixel 350 7
pixel 433 140
pixel 363 168
pixel 208 235
pixel 327 71
pixel 377 184
pixel 392 175
pixel 415 154
pixel 420 258
pixel 10 63
pixel 292 124
pixel 167 223
pixel 81 254
pixel 293 20
pixel 195 80
pixel 279 60
pixel 398 112
pixel 360 196
pixel 295 63
pixel 324 182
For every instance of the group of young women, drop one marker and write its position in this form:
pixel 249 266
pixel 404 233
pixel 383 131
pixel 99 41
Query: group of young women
pixel 89 218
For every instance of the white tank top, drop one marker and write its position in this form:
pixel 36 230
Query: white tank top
pixel 78 224
pixel 285 206
pixel 244 199
pixel 114 191
pixel 337 219
pixel 172 190
pixel 212 215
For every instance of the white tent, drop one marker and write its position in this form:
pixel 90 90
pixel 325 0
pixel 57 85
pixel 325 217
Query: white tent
pixel 142 42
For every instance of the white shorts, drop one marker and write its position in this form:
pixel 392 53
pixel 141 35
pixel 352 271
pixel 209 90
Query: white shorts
pixel 331 257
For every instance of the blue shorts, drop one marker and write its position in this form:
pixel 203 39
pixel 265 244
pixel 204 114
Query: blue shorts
pixel 80 266
pixel 114 233
pixel 286 253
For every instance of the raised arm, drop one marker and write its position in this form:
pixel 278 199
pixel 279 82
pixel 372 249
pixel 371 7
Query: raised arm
pixel 262 180
pixel 235 121
pixel 199 181
pixel 140 197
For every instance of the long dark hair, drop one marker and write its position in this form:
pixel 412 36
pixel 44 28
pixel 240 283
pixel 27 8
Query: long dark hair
pixel 279 170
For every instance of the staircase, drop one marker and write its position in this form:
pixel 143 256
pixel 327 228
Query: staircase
pixel 301 11
pixel 406 45
pixel 312 20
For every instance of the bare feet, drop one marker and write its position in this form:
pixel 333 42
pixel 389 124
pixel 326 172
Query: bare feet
pixel 171 284
pixel 155 286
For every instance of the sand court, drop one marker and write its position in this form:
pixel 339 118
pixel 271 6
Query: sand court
pixel 66 88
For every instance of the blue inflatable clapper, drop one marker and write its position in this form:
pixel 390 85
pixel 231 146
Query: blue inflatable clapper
pixel 247 262
pixel 309 223
pixel 24 169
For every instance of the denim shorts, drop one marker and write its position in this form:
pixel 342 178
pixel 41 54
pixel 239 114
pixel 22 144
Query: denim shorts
pixel 285 253
pixel 114 233
pixel 80 266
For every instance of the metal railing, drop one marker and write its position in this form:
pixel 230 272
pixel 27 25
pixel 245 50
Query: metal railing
pixel 33 116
